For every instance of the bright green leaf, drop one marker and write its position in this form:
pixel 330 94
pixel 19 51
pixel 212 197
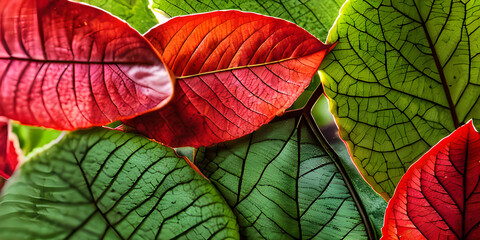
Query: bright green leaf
pixel 33 137
pixel 403 75
pixel 104 184
pixel 282 184
pixel 135 12
pixel 315 16
pixel 320 112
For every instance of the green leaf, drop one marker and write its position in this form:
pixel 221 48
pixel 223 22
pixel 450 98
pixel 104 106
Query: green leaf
pixel 104 184
pixel 403 75
pixel 283 184
pixel 315 16
pixel 33 137
pixel 135 12
pixel 320 112
pixel 374 204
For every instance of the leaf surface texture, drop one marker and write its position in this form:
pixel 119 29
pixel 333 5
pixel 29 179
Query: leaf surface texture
pixel 105 184
pixel 439 196
pixel 67 65
pixel 282 184
pixel 235 71
pixel 315 16
pixel 403 75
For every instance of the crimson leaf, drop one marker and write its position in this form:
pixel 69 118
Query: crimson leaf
pixel 67 65
pixel 235 71
pixel 439 195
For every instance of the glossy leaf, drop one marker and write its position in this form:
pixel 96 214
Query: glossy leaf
pixel 235 72
pixel 9 150
pixel 282 184
pixel 403 75
pixel 105 184
pixel 67 65
pixel 316 16
pixel 439 196
pixel 135 12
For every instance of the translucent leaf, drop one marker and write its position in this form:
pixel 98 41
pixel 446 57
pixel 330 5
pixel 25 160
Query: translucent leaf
pixel 66 65
pixel 403 75
pixel 316 16
pixel 235 72
pixel 439 195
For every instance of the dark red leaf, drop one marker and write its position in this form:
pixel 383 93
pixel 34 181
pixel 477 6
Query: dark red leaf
pixel 9 150
pixel 67 65
pixel 439 196
pixel 235 72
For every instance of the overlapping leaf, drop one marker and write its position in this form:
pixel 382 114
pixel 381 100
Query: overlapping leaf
pixel 282 184
pixel 439 196
pixel 235 71
pixel 104 184
pixel 403 75
pixel 9 152
pixel 67 65
pixel 135 12
pixel 316 16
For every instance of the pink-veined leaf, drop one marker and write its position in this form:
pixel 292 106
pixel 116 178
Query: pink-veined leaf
pixel 9 150
pixel 235 71
pixel 67 65
pixel 439 195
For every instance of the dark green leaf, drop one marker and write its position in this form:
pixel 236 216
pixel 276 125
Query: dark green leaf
pixel 374 204
pixel 135 12
pixel 403 75
pixel 282 184
pixel 104 184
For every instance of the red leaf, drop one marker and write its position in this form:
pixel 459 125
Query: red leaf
pixel 9 151
pixel 67 65
pixel 235 72
pixel 439 196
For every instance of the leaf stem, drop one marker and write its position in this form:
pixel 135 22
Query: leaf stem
pixel 313 99
pixel 336 159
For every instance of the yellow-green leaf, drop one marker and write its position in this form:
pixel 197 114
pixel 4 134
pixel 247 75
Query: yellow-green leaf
pixel 403 75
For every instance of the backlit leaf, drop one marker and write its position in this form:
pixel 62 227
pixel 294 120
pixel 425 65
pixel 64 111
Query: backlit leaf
pixel 316 16
pixel 9 150
pixel 282 184
pixel 105 184
pixel 30 137
pixel 403 75
pixel 67 65
pixel 135 12
pixel 235 71
pixel 439 196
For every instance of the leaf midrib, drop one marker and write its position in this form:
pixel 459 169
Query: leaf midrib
pixel 78 61
pixel 245 66
pixel 451 105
